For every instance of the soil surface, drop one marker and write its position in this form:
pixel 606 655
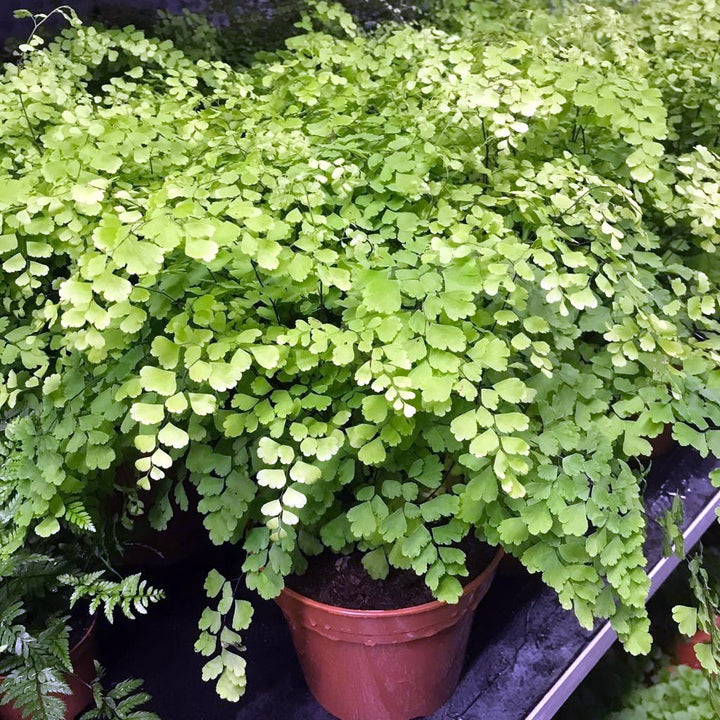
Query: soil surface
pixel 342 581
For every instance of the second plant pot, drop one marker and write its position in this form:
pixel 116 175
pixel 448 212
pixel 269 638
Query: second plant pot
pixel 662 443
pixel 82 655
pixel 383 664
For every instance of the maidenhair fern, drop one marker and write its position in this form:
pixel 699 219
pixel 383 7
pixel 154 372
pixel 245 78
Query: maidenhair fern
pixel 376 291
pixel 679 693
pixel 703 616
pixel 220 638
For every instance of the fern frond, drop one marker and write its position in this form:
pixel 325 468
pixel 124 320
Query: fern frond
pixel 130 595
pixel 11 539
pixel 53 645
pixel 34 666
pixel 77 514
pixel 119 703
pixel 27 574
pixel 15 640
pixel 34 692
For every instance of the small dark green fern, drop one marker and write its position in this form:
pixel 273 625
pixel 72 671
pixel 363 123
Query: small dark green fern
pixel 34 665
pixel 37 592
pixel 122 702
pixel 36 668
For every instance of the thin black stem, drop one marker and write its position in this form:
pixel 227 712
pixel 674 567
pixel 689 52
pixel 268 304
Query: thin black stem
pixel 31 129
pixel 262 285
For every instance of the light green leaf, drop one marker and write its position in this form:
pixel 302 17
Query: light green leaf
pixel 177 403
pixel 242 615
pixel 87 194
pixel 464 427
pixel 202 404
pixel 303 472
pixel 686 618
pixel 267 356
pixel 49 526
pixel 166 351
pixel 158 380
pixel 513 531
pixel 8 243
pixel 376 564
pixel 201 248
pixel 214 583
pixel 484 444
pixel 173 436
pixel 446 337
pixel 512 389
pixel 294 498
pixel 449 589
pixel 147 413
pixel 574 519
pixel 362 520
pixel 373 453
pixel 382 295
pixel 271 478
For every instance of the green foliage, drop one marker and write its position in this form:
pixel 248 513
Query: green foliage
pixel 671 524
pixel 239 32
pixel 379 290
pixel 33 665
pixel 220 637
pixel 680 693
pixel 130 595
pixel 121 702
pixel 195 34
pixel 37 590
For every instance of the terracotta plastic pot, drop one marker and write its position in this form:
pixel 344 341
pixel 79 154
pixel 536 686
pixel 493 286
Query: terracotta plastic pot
pixel 82 655
pixel 383 664
pixel 685 649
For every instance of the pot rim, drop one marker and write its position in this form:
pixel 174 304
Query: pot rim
pixel 86 635
pixel 411 610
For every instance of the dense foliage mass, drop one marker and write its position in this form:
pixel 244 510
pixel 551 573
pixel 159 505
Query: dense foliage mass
pixel 679 694
pixel 377 290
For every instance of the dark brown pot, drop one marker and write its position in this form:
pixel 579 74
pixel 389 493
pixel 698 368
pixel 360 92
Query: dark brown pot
pixel 184 538
pixel 661 443
pixel 82 655
pixel 383 664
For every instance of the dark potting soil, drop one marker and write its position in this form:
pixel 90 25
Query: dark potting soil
pixel 342 581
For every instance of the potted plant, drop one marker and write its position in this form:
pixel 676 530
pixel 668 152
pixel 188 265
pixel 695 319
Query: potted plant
pixel 378 292
pixel 47 650
pixel 44 674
